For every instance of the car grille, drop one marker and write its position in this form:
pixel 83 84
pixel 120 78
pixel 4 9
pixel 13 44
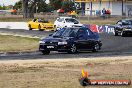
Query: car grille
pixel 51 43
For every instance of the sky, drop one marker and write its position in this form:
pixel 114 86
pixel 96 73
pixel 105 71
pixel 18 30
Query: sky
pixel 10 2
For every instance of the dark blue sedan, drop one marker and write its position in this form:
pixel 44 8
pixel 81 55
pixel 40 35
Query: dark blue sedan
pixel 71 40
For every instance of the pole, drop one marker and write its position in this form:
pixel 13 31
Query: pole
pixel 122 7
pixel 36 8
pixel 91 8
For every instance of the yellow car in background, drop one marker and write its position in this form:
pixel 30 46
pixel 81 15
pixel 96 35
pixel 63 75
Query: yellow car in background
pixel 40 24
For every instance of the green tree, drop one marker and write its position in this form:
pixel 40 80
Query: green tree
pixel 0 7
pixel 68 5
pixel 18 5
pixel 3 7
pixel 42 6
pixel 29 7
pixel 56 4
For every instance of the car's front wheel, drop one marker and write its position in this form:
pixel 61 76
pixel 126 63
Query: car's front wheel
pixel 40 29
pixel 96 48
pixel 73 49
pixel 123 34
pixel 116 33
pixel 45 52
pixel 29 26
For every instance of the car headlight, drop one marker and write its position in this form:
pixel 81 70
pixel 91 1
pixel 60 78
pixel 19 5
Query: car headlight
pixel 41 42
pixel 62 43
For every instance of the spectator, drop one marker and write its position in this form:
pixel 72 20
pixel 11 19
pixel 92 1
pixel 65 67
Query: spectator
pixel 103 13
pixel 98 12
pixel 108 13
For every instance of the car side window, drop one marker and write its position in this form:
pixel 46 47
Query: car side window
pixel 81 34
pixel 125 22
pixel 90 34
pixel 60 19
pixel 34 20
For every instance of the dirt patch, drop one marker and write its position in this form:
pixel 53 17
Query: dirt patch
pixel 63 73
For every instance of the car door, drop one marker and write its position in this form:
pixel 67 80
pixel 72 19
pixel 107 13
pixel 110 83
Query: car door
pixel 36 24
pixel 81 41
pixel 33 23
pixel 85 39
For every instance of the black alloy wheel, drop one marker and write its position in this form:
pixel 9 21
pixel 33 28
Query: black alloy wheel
pixel 73 49
pixel 96 48
pixel 123 34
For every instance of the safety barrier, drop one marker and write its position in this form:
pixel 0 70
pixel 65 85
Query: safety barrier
pixel 23 25
pixel 101 28
pixel 14 25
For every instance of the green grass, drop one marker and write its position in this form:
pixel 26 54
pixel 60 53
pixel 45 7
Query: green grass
pixel 12 44
pixel 85 20
pixel 57 73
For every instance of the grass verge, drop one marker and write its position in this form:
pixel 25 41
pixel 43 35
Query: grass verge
pixel 98 21
pixel 10 43
pixel 63 73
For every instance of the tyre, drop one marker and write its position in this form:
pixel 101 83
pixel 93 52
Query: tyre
pixel 96 48
pixel 46 52
pixel 85 82
pixel 73 49
pixel 39 27
pixel 123 34
pixel 116 33
pixel 29 26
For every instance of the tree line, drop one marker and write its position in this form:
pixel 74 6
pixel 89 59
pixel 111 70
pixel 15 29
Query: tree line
pixel 29 7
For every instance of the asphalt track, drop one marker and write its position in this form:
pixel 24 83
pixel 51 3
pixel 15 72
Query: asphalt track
pixel 112 45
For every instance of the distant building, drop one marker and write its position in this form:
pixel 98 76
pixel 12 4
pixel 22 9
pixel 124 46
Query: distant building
pixel 117 7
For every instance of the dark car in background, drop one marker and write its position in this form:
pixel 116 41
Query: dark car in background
pixel 71 40
pixel 123 27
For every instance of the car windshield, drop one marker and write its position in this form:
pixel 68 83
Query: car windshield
pixel 72 32
pixel 42 21
pixel 72 21
pixel 66 32
pixel 127 22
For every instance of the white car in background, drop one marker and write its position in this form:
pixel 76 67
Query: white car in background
pixel 66 22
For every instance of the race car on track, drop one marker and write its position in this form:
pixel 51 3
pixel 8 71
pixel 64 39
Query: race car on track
pixel 40 24
pixel 71 40
pixel 66 22
pixel 123 27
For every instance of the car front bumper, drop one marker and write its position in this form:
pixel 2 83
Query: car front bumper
pixel 61 48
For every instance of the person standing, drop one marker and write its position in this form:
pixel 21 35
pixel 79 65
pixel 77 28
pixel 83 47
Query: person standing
pixel 103 13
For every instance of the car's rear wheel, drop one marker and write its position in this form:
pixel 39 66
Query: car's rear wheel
pixel 123 34
pixel 96 48
pixel 73 49
pixel 45 52
pixel 116 33
pixel 40 29
pixel 29 26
